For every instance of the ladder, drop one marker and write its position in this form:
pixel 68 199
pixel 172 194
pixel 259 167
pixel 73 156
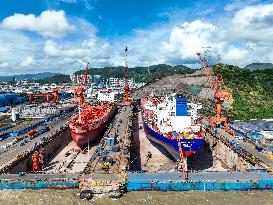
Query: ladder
pixel 182 159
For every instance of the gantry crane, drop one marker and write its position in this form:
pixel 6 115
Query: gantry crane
pixel 78 90
pixel 126 100
pixel 216 83
pixel 33 95
pixel 81 86
pixel 56 94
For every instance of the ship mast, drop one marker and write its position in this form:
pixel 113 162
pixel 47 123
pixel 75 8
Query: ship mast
pixel 126 100
pixel 81 89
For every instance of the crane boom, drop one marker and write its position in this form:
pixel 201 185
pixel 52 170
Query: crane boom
pixel 84 80
pixel 206 70
pixel 126 100
pixel 219 96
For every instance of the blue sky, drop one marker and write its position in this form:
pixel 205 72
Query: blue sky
pixel 62 35
pixel 117 17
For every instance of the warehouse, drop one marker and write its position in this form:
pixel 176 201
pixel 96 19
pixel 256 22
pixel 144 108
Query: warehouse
pixel 11 99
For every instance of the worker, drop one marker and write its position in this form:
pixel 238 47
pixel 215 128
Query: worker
pixel 148 157
pixel 41 158
pixel 35 162
pixel 106 167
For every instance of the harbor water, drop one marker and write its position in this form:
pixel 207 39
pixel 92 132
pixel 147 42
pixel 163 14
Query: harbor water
pixel 44 197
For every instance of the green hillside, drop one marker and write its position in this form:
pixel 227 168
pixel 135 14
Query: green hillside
pixel 251 90
pixel 56 79
pixel 140 74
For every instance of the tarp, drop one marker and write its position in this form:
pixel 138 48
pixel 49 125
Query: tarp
pixel 255 125
pixel 247 134
pixel 4 109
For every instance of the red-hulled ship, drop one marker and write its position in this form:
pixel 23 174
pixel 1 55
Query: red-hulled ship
pixel 91 122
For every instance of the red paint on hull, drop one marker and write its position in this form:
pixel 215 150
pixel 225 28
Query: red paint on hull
pixel 91 135
pixel 82 139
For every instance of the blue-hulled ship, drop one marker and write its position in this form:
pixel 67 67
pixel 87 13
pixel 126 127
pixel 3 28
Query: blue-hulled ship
pixel 174 124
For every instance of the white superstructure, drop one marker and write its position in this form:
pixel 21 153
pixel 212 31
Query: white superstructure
pixel 166 116
pixel 106 95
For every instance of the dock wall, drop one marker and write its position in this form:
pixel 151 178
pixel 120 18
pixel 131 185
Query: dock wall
pixel 51 146
pixel 108 183
pixel 186 186
pixel 39 185
pixel 228 155
pixel 231 180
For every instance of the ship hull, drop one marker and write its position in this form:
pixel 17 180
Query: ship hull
pixel 189 146
pixel 82 139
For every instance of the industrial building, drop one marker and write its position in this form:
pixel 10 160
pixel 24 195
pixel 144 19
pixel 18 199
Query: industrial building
pixel 11 99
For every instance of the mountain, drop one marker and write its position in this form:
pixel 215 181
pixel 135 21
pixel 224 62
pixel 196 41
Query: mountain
pixel 140 74
pixel 36 76
pixel 251 92
pixel 61 78
pixel 259 66
pixel 7 78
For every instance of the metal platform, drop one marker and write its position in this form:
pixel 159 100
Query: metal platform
pixel 200 181
pixel 144 181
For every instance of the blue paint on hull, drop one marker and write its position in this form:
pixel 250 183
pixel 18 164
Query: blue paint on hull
pixel 188 145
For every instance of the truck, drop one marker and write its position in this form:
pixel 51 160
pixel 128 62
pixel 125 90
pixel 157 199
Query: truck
pixel 259 149
pixel 42 131
pixel 231 141
pixel 9 144
pixel 43 139
pixel 238 146
pixel 32 132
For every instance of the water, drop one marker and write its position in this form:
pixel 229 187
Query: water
pixel 67 197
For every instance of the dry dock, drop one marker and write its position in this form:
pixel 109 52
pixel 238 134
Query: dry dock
pixel 112 154
pixel 126 159
pixel 161 161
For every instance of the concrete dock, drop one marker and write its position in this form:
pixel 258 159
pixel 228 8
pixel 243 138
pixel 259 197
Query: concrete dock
pixel 249 148
pixel 160 159
pixel 112 154
pixel 10 153
pixel 120 161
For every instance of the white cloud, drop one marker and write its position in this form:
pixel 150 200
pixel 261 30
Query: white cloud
pixel 96 51
pixel 51 49
pixel 27 62
pixel 4 65
pixel 241 39
pixel 93 48
pixel 48 24
pixel 189 38
pixel 15 48
pixel 239 4
pixel 253 23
